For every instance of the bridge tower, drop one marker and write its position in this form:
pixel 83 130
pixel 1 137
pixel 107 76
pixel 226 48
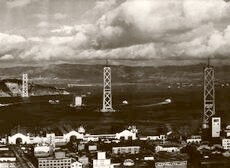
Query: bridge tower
pixel 107 90
pixel 209 95
pixel 25 92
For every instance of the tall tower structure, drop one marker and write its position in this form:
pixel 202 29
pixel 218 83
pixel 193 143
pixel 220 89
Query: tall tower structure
pixel 25 92
pixel 107 90
pixel 209 95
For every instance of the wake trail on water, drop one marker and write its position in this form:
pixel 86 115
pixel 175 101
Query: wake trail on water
pixel 167 101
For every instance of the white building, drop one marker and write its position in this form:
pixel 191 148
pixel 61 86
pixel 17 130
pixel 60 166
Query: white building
pixel 148 158
pixel 92 138
pixel 27 139
pixel 76 165
pixel 43 150
pixel 167 149
pixel 154 138
pixel 73 133
pixel 126 149
pixel 126 135
pixel 50 138
pixel 194 139
pixel 59 161
pixel 54 163
pixel 216 127
pixel 78 101
pixel 171 164
pixel 81 130
pixel 101 161
pixel 54 140
pixel 226 144
pixel 19 137
pixel 7 158
pixel 227 130
pixel 3 140
pixel 84 160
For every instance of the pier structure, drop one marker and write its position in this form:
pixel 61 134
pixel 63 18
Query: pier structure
pixel 25 92
pixel 107 90
pixel 209 95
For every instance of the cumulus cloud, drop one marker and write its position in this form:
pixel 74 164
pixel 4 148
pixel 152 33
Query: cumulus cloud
pixel 7 57
pixel 64 30
pixel 139 22
pixel 40 16
pixel 43 24
pixel 35 39
pixel 10 44
pixel 60 16
pixel 146 29
pixel 10 39
pixel 152 21
pixel 100 8
pixel 18 3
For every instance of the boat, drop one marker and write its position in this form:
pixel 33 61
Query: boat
pixel 54 101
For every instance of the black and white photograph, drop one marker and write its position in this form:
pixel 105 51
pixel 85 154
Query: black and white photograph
pixel 114 83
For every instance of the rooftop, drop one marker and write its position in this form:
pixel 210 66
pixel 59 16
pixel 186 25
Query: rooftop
pixel 53 158
pixel 166 156
pixel 6 153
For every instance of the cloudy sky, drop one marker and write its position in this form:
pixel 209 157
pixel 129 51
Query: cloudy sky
pixel 157 32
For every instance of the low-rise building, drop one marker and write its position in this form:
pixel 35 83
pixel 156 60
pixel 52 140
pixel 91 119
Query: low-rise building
pixel 171 164
pixel 171 160
pixel 126 135
pixel 227 130
pixel 101 161
pixel 56 139
pixel 7 158
pixel 194 139
pixel 160 137
pixel 56 162
pixel 19 138
pixel 154 138
pixel 226 143
pixel 126 149
pixel 51 138
pixel 67 136
pixel 43 150
pixel 147 158
pixel 89 138
pixel 3 140
pixel 76 165
pixel 167 148
pixel 81 146
pixel 92 147
pixel 84 160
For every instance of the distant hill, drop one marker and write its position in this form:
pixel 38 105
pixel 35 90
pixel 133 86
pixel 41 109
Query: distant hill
pixel 13 87
pixel 79 73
